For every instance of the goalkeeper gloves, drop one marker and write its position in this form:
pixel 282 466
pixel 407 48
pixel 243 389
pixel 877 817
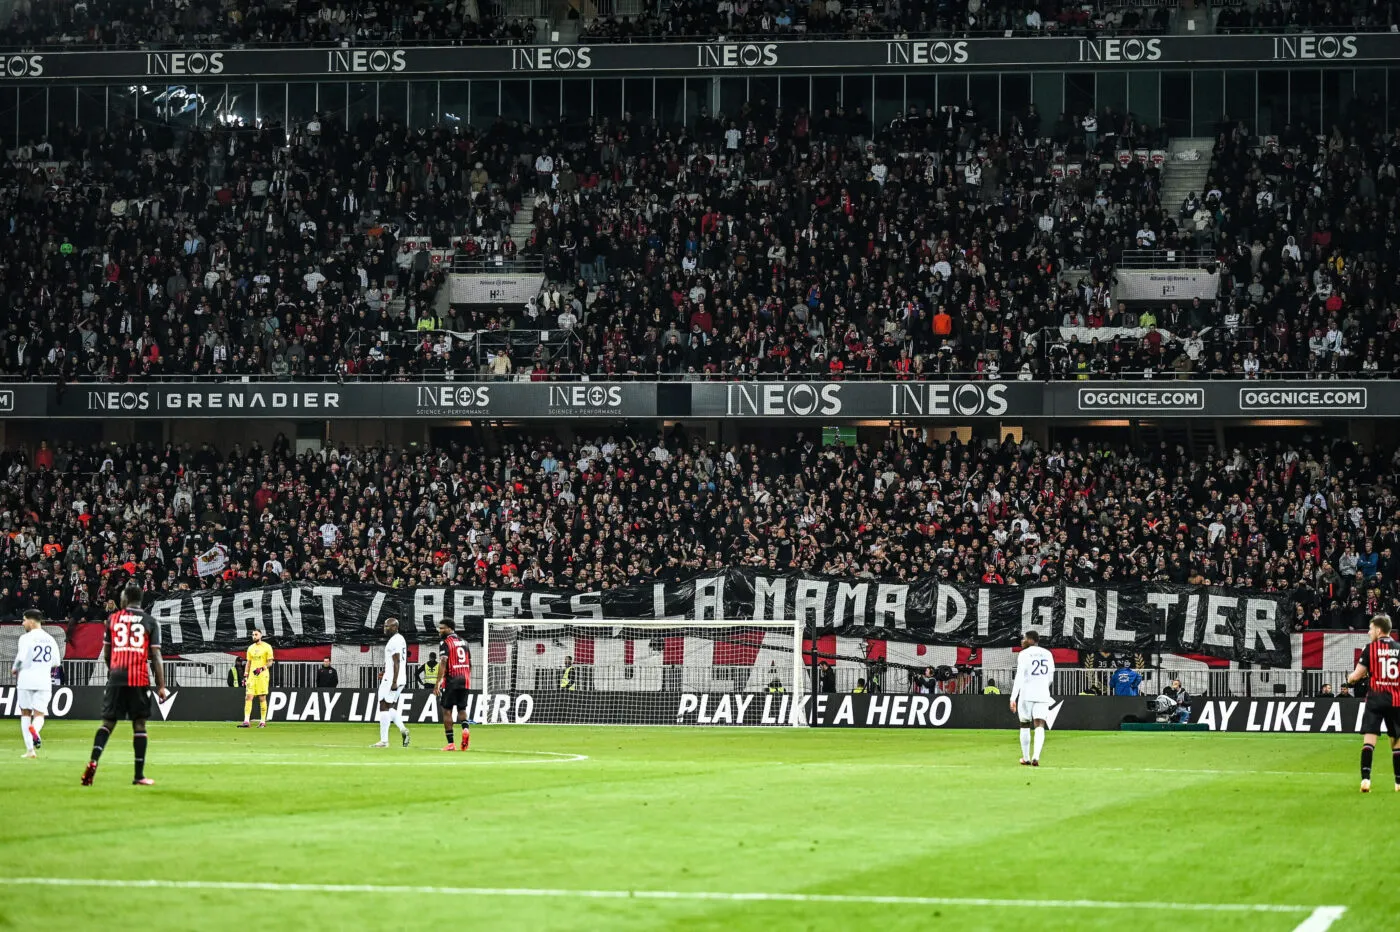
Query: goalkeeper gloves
pixel 260 671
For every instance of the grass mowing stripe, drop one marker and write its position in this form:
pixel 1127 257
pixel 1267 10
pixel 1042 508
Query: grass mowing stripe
pixel 834 898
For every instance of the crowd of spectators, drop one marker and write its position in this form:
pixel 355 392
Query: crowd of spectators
pixel 759 243
pixel 194 23
pixel 1321 520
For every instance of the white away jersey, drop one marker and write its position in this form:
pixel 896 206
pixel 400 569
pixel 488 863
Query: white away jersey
pixel 36 656
pixel 396 647
pixel 1035 672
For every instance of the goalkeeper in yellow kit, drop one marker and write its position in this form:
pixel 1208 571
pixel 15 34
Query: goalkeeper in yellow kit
pixel 259 663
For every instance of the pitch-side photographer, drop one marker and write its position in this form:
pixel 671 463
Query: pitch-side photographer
pixel 1177 693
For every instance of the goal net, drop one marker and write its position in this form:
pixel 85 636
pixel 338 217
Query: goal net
pixel 647 673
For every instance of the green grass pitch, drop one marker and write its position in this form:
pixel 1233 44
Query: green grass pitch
pixel 1163 822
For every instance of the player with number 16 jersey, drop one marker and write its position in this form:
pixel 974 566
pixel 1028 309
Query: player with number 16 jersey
pixel 1379 663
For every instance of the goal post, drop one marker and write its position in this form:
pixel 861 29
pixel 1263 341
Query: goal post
pixel 626 672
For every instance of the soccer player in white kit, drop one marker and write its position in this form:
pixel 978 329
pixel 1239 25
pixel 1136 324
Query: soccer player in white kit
pixel 391 684
pixel 35 659
pixel 1030 695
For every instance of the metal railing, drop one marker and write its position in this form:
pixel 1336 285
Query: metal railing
pixel 1165 259
pixel 497 265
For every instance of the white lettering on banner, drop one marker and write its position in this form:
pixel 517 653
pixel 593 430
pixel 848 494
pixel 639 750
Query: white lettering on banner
pixel 1155 285
pixel 767 717
pixel 1113 399
pixel 286 614
pixel 850 603
pixel 809 603
pixel 22 66
pixel 801 399
pixel 184 63
pixel 505 604
pixel 467 604
pixel 1120 50
pixel 212 399
pixel 1217 621
pixel 1034 615
pixel 276 702
pixel 1250 724
pixel 61 702
pixel 7 399
pixel 552 58
pixel 247 612
pixel 1260 620
pixel 326 595
pixel 585 396
pixel 1163 602
pixel 366 61
pixel 938 52
pixel 845 712
pixel 1332 721
pixel 1303 399
pixel 735 55
pixel 166 612
pixel 769 598
pixel 428 608
pixel 941 399
pixel 950 608
pixel 709 599
pixel 586 605
pixel 1081 607
pixel 206 615
pixel 376 606
pixel 658 604
pixel 454 396
pixel 890 603
pixel 1314 48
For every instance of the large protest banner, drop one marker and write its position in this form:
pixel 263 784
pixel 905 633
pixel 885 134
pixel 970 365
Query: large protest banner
pixel 1233 624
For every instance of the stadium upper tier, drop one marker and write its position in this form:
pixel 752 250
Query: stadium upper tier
pixel 215 23
pixel 758 243
pixel 1317 520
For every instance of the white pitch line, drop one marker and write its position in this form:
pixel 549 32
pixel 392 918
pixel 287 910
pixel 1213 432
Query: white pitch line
pixel 555 757
pixel 851 899
pixel 1321 919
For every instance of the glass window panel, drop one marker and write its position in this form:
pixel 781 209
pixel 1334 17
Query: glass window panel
pixel 670 102
pixel 544 101
pixel 237 105
pixel 333 103
pixel 454 101
pixel 362 103
pixel 1145 96
pixel 92 107
pixel 1112 91
pixel 301 102
pixel 1392 98
pixel 1208 95
pixel 1048 92
pixel 33 113
pixel 984 96
pixel 764 88
pixel 1079 94
pixel 638 97
pixel 923 92
pixel 1239 98
pixel 1015 96
pixel 423 104
pixel 272 104
pixel 857 96
pixel 826 94
pixel 733 94
pixel 580 99
pixel 1338 88
pixel 206 105
pixel 952 90
pixel 795 94
pixel 608 98
pixel 889 99
pixel 1370 93
pixel 393 101
pixel 8 111
pixel 1176 102
pixel 515 100
pixel 1273 102
pixel 1305 100
pixel 486 103
pixel 699 97
pixel 121 105
pixel 63 106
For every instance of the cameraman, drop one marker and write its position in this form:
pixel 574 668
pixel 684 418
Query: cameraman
pixel 1177 693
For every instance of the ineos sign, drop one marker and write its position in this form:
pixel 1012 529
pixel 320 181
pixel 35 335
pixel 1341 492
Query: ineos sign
pixel 801 399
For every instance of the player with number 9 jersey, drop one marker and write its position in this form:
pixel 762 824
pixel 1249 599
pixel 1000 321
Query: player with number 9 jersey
pixel 454 679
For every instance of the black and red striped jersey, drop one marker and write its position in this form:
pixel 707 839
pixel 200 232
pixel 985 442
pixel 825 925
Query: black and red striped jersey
pixel 457 658
pixel 1381 658
pixel 130 632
